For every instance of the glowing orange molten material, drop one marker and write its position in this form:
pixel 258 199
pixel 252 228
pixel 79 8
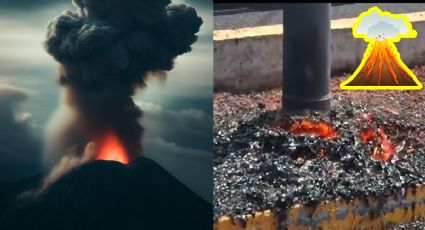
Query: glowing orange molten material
pixel 386 146
pixel 110 148
pixel 386 149
pixel 368 135
pixel 309 127
pixel 322 153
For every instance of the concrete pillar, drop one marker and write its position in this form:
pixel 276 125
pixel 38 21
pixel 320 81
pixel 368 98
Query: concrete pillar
pixel 306 59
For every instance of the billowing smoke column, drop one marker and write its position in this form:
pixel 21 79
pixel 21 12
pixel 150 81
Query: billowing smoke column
pixel 106 49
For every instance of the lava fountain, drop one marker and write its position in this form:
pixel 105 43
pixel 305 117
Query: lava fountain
pixel 111 148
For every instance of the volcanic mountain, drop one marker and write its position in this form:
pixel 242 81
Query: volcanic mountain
pixel 381 67
pixel 106 195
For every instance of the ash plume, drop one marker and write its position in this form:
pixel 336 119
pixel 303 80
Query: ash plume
pixel 106 50
pixel 66 164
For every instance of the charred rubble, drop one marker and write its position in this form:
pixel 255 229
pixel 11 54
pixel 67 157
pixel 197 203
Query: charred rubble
pixel 260 163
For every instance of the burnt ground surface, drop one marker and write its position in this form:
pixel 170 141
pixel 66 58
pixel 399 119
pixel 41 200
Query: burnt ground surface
pixel 416 225
pixel 259 165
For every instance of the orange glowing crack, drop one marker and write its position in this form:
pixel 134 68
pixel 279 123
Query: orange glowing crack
pixel 322 153
pixel 309 127
pixel 110 148
pixel 367 135
pixel 386 149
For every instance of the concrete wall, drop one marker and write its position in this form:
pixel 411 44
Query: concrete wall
pixel 252 58
pixel 248 63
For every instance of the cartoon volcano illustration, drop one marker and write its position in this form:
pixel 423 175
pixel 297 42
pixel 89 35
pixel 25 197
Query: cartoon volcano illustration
pixel 382 67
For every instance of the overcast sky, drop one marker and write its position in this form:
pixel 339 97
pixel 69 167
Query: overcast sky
pixel 178 112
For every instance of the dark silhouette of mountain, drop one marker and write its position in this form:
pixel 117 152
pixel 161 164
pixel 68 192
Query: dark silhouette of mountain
pixel 107 195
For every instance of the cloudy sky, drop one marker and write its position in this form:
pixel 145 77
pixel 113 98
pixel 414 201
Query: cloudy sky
pixel 178 111
pixel 374 24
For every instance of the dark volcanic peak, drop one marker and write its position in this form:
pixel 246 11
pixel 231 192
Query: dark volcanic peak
pixel 111 195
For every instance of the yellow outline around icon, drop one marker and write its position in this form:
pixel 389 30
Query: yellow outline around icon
pixel 411 34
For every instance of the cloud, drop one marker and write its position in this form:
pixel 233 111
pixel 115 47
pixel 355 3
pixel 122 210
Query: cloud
pixel 20 147
pixel 383 28
pixel 25 4
pixel 188 128
pixel 42 3
pixel 200 3
pixel 374 22
pixel 181 142
pixel 18 51
pixel 178 151
pixel 192 167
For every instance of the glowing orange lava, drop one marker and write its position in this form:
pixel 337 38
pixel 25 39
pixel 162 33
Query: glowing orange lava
pixel 110 148
pixel 322 153
pixel 386 149
pixel 368 135
pixel 309 127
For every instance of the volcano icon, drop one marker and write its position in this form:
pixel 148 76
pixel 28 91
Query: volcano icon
pixel 382 67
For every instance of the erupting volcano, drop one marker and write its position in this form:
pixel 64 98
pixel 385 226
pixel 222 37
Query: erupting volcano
pixel 106 51
pixel 382 67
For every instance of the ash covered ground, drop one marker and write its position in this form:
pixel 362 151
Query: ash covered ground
pixel 259 164
pixel 416 225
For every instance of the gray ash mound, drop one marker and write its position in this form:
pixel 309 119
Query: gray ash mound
pixel 108 195
pixel 261 164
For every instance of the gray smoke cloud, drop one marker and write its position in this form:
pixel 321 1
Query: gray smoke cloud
pixel 66 164
pixel 20 147
pixel 106 50
pixel 27 4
